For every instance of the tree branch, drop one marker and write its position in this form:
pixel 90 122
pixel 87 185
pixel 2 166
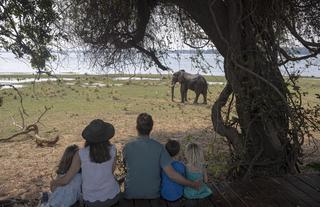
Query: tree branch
pixel 305 43
pixel 219 125
pixel 19 94
pixel 196 47
pixel 222 37
pixel 34 128
pixel 290 58
pixel 153 56
pixel 30 128
pixel 144 9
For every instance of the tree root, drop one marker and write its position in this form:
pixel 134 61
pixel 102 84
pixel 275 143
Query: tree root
pixel 45 142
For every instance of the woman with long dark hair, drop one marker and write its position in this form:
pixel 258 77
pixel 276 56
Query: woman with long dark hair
pixel 97 163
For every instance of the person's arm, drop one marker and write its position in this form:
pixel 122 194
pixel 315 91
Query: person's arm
pixel 122 178
pixel 172 174
pixel 73 170
pixel 114 164
pixel 124 158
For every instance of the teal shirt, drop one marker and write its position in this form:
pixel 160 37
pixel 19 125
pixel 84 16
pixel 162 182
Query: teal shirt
pixel 191 193
pixel 144 158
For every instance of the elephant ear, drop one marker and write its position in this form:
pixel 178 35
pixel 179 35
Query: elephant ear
pixel 180 78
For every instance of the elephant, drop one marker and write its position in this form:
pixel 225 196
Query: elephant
pixel 196 83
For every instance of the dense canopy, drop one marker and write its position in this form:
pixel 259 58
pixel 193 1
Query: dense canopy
pixel 26 28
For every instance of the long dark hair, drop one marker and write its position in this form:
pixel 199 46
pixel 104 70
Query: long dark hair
pixel 99 152
pixel 66 159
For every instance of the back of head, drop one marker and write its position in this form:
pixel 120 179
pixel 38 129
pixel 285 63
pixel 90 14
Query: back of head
pixel 144 124
pixel 194 155
pixel 99 152
pixel 173 147
pixel 66 159
pixel 97 135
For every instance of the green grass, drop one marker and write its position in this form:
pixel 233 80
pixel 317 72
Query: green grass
pixel 131 97
pixel 135 96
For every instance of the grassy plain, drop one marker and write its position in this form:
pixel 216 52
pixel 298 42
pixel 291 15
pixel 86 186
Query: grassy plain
pixel 26 169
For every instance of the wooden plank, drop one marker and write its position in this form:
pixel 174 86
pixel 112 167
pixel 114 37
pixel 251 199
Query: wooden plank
pixel 205 203
pixel 191 203
pixel 270 193
pixel 218 198
pixel 126 203
pixel 287 192
pixel 218 201
pixel 232 198
pixel 315 178
pixel 309 181
pixel 293 194
pixel 158 203
pixel 248 192
pixel 141 203
pixel 262 196
pixel 178 203
pixel 300 190
pixel 311 192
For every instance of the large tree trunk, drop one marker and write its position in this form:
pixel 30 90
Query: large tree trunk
pixel 261 140
pixel 263 115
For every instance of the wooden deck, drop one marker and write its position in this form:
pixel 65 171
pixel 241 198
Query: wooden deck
pixel 300 190
pixel 289 191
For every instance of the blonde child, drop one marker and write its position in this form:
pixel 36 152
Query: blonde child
pixel 69 194
pixel 195 170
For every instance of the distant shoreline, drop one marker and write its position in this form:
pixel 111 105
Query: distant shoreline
pixel 113 74
pixel 76 64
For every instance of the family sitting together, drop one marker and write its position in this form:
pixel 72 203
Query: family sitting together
pixel 152 170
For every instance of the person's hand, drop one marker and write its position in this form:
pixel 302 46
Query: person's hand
pixel 121 179
pixel 197 184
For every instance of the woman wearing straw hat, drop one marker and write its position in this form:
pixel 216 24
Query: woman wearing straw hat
pixel 97 163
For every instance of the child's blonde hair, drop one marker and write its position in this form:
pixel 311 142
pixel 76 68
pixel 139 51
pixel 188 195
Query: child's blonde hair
pixel 194 155
pixel 66 159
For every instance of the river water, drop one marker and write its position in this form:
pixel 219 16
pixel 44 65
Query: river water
pixel 75 62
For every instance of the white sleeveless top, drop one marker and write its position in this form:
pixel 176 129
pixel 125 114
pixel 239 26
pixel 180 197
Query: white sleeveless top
pixel 98 182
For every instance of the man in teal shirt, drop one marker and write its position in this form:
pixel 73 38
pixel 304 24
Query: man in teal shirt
pixel 144 158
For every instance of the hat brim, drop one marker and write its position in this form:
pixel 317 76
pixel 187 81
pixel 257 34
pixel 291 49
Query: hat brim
pixel 98 131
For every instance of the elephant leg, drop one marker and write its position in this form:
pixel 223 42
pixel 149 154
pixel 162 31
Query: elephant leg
pixel 186 95
pixel 196 99
pixel 182 93
pixel 205 97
